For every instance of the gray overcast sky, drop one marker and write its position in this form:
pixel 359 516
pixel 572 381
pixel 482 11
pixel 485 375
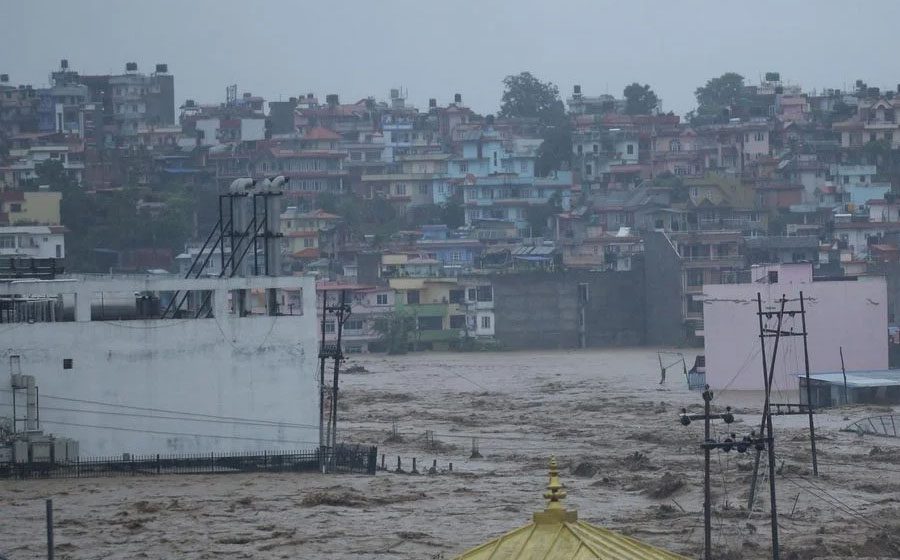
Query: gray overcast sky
pixel 358 48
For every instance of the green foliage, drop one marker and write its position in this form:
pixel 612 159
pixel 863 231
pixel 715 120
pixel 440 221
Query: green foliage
pixel 394 332
pixel 640 99
pixel 719 94
pixel 111 220
pixel 674 182
pixel 526 96
pixel 556 150
pixel 538 215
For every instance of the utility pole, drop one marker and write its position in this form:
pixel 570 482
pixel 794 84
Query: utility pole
pixel 809 403
pixel 328 422
pixel 708 445
pixel 844 372
pixel 766 422
pixel 342 312
pixel 322 357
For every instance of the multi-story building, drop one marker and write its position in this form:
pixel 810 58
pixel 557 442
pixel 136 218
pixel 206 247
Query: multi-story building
pixel 38 242
pixel 29 208
pixel 369 306
pixel 310 235
pixel 706 257
pixel 141 100
pixel 876 119
pixel 22 170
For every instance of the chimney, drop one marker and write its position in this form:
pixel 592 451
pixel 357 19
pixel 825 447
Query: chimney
pixel 162 68
pixel 457 98
pixel 131 66
pixel 577 89
pixel 64 63
pixel 432 103
pixel 4 78
pixel 332 99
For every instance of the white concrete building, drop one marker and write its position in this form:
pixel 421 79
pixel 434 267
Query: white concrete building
pixel 118 379
pixel 37 242
pixel 851 314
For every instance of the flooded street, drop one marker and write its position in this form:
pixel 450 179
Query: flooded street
pixel 628 463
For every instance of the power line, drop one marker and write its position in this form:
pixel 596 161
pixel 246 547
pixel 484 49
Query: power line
pixel 261 423
pixel 164 411
pixel 158 432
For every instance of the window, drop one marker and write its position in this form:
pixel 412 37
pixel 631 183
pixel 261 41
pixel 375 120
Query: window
pixel 588 170
pixel 381 299
pixel 486 322
pixel 695 277
pixel 463 167
pixel 579 149
pixel 457 296
pixel 495 159
pixel 455 256
pixel 400 190
pixel 471 295
pixel 307 242
pixel 412 297
pixel 58 251
pixel 430 323
pixel 674 145
pixel 354 324
pixel 15 207
pixel 629 149
pixel 329 327
pixel 872 137
pixel 582 293
pixel 760 136
pixel 423 189
pixel 523 167
pixel 846 179
pixel 484 293
pixel 355 156
pixel 889 136
pixel 773 276
pixel 67 363
pixel 457 321
pixel 7 242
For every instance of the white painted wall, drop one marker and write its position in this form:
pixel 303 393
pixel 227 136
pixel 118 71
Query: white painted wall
pixel 253 129
pixel 210 128
pixel 848 314
pixel 259 368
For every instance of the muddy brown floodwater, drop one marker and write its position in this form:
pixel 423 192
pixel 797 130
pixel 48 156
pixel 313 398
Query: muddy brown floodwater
pixel 628 463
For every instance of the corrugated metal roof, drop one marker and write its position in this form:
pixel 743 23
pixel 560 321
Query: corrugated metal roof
pixel 859 379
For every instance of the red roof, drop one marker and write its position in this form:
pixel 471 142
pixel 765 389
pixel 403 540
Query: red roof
pixel 321 133
pixel 309 253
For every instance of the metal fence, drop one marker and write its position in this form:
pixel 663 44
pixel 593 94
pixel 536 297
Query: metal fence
pixel 345 459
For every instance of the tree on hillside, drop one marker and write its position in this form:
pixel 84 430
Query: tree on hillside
pixel 719 94
pixel 539 214
pixel 555 152
pixel 640 99
pixel 528 97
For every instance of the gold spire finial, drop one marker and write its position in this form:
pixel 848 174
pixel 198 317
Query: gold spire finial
pixel 555 490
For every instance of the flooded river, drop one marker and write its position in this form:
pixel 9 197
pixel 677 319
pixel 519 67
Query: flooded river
pixel 627 462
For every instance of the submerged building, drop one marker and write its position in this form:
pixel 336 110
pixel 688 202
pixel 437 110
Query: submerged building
pixel 158 364
pixel 557 534
pixel 229 373
pixel 846 312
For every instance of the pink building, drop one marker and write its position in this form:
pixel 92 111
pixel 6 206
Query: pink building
pixel 851 314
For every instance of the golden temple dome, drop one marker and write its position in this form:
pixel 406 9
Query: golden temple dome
pixel 556 534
